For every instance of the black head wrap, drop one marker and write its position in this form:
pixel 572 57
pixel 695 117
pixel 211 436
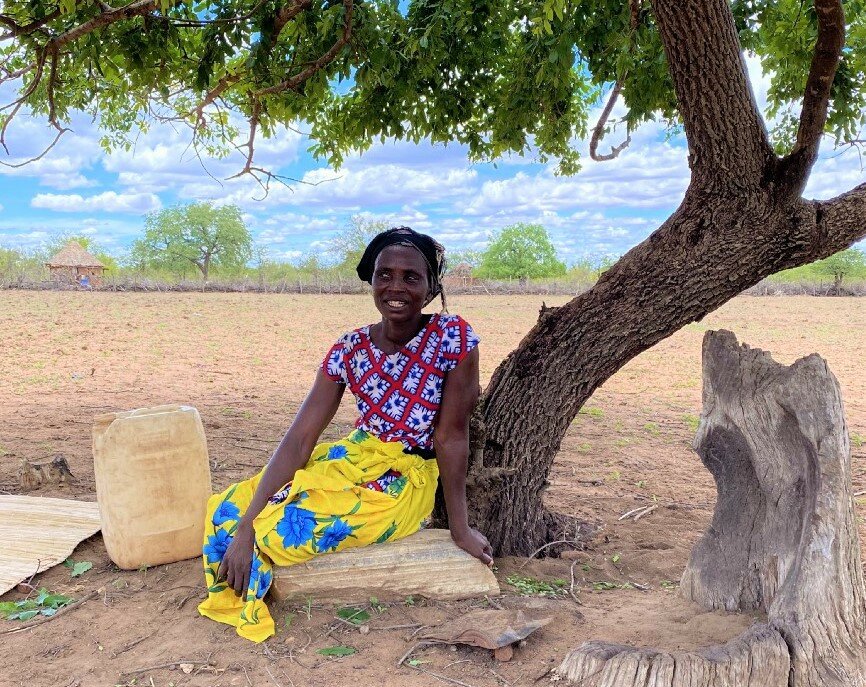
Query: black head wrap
pixel 431 250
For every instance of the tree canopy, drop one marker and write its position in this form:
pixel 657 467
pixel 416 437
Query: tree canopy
pixel 521 251
pixel 513 76
pixel 199 234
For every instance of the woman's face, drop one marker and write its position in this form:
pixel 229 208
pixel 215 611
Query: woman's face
pixel 400 283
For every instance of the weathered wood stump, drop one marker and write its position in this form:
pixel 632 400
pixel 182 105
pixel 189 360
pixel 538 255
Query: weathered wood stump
pixel 783 538
pixel 757 658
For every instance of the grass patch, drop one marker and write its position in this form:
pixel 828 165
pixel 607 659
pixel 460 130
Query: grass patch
pixel 652 428
pixel 856 440
pixel 594 412
pixel 692 421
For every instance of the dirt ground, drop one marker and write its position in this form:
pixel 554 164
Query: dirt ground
pixel 246 361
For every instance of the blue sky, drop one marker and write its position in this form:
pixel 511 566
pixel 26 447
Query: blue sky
pixel 604 210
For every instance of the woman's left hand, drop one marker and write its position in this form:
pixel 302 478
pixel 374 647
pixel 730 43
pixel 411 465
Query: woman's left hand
pixel 476 544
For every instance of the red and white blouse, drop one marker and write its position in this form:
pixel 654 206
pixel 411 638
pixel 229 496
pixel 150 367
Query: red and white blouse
pixel 398 395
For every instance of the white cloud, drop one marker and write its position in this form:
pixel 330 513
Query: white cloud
pixel 835 172
pixel 163 159
pixel 66 181
pixel 61 167
pixel 109 201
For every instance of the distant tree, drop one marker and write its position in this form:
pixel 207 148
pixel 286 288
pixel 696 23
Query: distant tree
pixel 348 246
pixel 199 234
pixel 468 256
pixel 846 263
pixel 521 251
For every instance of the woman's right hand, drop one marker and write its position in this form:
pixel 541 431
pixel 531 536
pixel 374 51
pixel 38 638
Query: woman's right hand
pixel 474 543
pixel 237 561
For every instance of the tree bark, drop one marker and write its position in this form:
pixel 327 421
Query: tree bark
pixel 783 538
pixel 737 224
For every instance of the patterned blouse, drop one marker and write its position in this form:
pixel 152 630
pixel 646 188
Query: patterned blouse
pixel 398 395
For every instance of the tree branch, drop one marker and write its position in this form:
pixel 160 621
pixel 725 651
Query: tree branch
pixel 840 221
pixel 133 9
pixel 16 29
pixel 598 130
pixel 224 84
pixel 728 144
pixel 794 168
pixel 313 67
pixel 288 12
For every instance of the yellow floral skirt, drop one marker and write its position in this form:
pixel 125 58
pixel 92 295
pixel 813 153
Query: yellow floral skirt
pixel 352 492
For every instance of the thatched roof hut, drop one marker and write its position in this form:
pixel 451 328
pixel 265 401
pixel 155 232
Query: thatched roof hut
pixel 74 264
pixel 459 275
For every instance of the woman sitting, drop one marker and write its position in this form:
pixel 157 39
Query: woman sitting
pixel 415 381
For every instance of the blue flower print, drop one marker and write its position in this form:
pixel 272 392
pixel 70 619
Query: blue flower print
pixel 264 584
pixel 334 533
pixel 259 581
pixel 337 452
pixel 255 569
pixel 226 511
pixel 216 546
pixel 296 526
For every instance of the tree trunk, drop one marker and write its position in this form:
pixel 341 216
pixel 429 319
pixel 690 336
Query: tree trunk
pixel 783 539
pixel 741 220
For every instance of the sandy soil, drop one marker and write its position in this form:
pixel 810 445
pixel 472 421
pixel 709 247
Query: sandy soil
pixel 245 361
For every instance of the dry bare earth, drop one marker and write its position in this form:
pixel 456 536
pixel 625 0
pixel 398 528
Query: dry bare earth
pixel 245 361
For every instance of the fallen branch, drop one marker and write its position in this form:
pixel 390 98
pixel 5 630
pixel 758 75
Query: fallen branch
pixel 542 548
pixel 439 676
pixel 415 647
pixel 637 513
pixel 171 666
pixel 130 645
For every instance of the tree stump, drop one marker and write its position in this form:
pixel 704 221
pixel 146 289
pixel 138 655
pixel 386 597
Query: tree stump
pixel 783 538
pixel 757 658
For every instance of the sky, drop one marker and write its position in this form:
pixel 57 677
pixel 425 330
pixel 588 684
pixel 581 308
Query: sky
pixel 604 210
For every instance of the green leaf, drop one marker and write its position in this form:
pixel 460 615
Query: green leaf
pixel 80 568
pixel 7 607
pixel 356 616
pixel 337 651
pixel 27 615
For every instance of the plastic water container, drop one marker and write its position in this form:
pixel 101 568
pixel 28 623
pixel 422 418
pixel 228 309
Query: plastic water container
pixel 152 484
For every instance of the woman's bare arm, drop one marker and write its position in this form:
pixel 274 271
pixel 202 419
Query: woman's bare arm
pixel 451 441
pixel 293 452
